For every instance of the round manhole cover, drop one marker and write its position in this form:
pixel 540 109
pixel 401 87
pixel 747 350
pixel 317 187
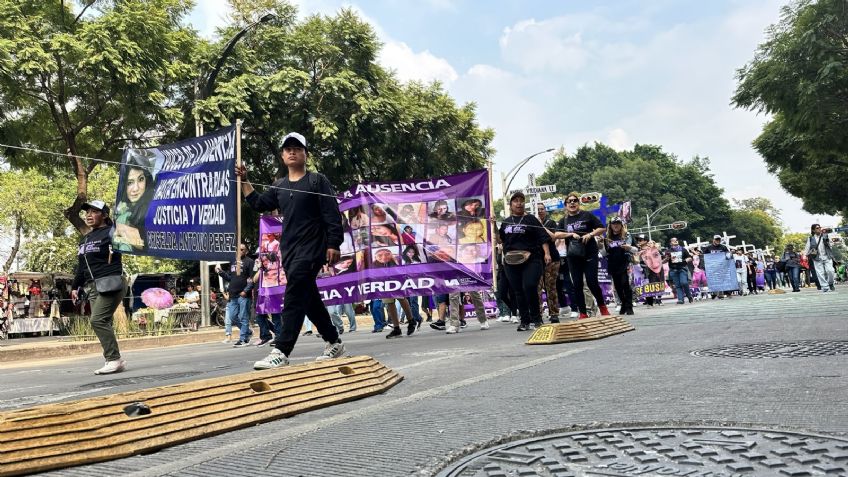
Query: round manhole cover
pixel 691 452
pixel 792 349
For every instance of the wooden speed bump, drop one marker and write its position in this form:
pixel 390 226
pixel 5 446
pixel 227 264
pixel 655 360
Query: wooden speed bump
pixel 776 291
pixel 580 330
pixel 116 426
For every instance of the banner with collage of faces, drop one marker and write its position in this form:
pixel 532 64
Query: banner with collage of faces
pixel 405 238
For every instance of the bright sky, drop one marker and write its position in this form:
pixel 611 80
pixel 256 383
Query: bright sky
pixel 562 74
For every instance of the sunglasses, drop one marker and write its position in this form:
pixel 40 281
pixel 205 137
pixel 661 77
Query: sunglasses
pixel 573 201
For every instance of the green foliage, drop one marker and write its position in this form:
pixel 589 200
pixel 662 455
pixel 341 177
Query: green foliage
pixel 800 76
pixel 649 178
pixel 754 227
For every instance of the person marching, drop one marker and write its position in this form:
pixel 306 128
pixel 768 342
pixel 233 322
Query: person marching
pixel 525 248
pixel 312 235
pixel 580 228
pixel 620 249
pixel 817 249
pixel 549 277
pixel 678 257
pixel 100 272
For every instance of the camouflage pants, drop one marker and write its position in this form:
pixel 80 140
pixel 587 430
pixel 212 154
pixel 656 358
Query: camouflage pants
pixel 548 282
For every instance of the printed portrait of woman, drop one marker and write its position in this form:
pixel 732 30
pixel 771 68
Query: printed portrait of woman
pixel 358 217
pixel 270 243
pixel 136 192
pixel 383 257
pixel 385 234
pixel 471 207
pixel 441 233
pixel 472 231
pixel 382 214
pixel 360 239
pixel 411 213
pixel 472 253
pixel 272 274
pixel 346 264
pixel 441 210
pixel 412 255
pixel 652 260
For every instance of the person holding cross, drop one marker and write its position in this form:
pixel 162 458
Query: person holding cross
pixel 312 235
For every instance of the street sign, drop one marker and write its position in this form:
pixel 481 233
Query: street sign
pixel 553 204
pixel 841 229
pixel 536 189
pixel 680 225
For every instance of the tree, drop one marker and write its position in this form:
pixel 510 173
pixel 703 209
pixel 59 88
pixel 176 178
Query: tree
pixel 27 206
pixel 799 75
pixel 88 82
pixel 758 203
pixel 754 227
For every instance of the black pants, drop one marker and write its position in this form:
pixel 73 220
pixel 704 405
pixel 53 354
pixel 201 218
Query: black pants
pixel 302 299
pixel 752 282
pixel 580 266
pixel 524 279
pixel 505 292
pixel 565 286
pixel 622 287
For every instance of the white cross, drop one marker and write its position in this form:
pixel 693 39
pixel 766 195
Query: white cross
pixel 726 239
pixel 698 244
pixel 746 246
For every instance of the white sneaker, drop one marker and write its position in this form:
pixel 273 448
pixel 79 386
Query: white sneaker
pixel 484 325
pixel 504 319
pixel 274 360
pixel 332 351
pixel 227 340
pixel 574 315
pixel 452 330
pixel 112 367
pixel 514 319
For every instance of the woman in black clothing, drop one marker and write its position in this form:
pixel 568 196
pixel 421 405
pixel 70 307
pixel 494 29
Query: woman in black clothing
pixel 526 253
pixel 620 248
pixel 580 228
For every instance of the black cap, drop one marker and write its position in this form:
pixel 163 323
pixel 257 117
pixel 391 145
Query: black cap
pixel 515 194
pixel 641 237
pixel 616 220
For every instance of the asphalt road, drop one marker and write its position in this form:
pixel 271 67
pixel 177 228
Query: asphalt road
pixel 477 388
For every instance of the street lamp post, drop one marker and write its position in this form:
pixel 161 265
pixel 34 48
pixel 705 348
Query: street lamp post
pixel 511 174
pixel 202 93
pixel 652 214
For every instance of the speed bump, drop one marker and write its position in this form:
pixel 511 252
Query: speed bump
pixel 580 330
pixel 110 427
pixel 776 291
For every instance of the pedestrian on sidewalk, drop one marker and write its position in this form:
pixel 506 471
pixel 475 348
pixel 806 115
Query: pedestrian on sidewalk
pixel 97 262
pixel 239 290
pixel 525 246
pixel 312 235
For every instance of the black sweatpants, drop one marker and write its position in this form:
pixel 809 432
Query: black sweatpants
pixel 580 266
pixel 622 287
pixel 301 299
pixel 524 279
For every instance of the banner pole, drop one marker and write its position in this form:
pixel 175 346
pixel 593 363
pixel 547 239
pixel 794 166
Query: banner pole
pixel 205 306
pixel 492 229
pixel 238 197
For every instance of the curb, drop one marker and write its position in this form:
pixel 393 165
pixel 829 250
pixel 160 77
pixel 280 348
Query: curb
pixel 63 349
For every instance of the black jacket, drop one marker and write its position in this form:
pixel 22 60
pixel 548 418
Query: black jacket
pixel 96 248
pixel 239 283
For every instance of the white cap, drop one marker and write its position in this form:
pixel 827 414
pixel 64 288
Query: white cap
pixel 96 205
pixel 296 137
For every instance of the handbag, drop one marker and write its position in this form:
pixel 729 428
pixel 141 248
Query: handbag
pixel 814 251
pixel 109 284
pixel 576 248
pixel 516 257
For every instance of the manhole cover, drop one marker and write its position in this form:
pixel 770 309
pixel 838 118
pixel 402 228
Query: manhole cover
pixel 692 452
pixel 793 349
pixel 139 380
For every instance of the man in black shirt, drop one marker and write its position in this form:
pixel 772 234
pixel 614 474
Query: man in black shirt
pixel 240 285
pixel 549 276
pixel 312 235
pixel 717 247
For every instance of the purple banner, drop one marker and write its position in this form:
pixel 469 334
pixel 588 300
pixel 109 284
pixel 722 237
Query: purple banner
pixel 405 238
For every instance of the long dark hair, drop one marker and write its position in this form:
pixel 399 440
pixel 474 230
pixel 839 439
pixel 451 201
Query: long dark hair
pixel 138 210
pixel 416 255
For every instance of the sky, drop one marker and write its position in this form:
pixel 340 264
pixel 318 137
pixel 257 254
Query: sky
pixel 551 74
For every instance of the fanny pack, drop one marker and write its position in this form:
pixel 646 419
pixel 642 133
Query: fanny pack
pixel 516 257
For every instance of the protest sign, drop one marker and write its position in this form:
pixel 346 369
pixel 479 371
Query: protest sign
pixel 404 238
pixel 179 200
pixel 721 272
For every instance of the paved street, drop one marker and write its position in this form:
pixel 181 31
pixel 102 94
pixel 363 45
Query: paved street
pixel 464 392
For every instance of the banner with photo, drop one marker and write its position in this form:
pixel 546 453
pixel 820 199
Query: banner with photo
pixel 179 200
pixel 721 272
pixel 405 238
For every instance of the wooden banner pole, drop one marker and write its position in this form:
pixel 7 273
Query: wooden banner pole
pixel 492 230
pixel 238 197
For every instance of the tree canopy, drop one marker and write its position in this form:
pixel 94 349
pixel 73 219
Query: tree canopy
pixel 799 75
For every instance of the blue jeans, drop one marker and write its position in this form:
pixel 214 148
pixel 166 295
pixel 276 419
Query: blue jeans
pixel 795 277
pixel 377 314
pixel 346 309
pixel 416 310
pixel 265 326
pixel 238 311
pixel 680 277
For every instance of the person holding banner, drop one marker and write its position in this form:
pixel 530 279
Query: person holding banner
pixel 525 247
pixel 312 236
pixel 678 257
pixel 100 271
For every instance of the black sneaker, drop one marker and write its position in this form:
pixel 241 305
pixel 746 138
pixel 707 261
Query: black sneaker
pixel 463 324
pixel 523 327
pixel 395 333
pixel 438 325
pixel 554 319
pixel 241 344
pixel 410 328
